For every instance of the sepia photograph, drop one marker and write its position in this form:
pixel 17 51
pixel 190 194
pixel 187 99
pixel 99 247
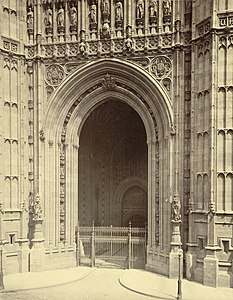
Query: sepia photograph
pixel 116 149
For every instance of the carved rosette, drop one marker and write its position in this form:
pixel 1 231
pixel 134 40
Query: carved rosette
pixel 54 74
pixel 161 66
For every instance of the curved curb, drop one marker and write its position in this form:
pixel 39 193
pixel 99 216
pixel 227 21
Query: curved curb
pixel 47 286
pixel 143 293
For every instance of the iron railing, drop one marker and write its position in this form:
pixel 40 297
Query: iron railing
pixel 123 247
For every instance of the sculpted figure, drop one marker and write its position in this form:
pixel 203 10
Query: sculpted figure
pixel 73 16
pixel 167 7
pixel 48 17
pixel 119 11
pixel 37 210
pixel 176 208
pixel 105 7
pixel 140 9
pixel 93 13
pixel 61 17
pixel 30 18
pixel 153 8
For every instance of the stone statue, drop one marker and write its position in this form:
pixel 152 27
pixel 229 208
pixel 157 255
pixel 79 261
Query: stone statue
pixel 82 47
pixel 37 210
pixel 61 17
pixel 167 8
pixel 105 7
pixel 119 11
pixel 128 44
pixel 153 8
pixel 48 17
pixel 73 16
pixel 30 19
pixel 176 208
pixel 140 9
pixel 92 13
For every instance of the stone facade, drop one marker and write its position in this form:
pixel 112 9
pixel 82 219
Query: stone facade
pixel 171 61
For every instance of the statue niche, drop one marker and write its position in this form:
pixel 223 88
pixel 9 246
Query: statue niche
pixel 118 14
pixel 93 16
pixel 48 20
pixel 105 13
pixel 30 20
pixel 73 19
pixel 140 13
pixel 61 20
pixel 153 11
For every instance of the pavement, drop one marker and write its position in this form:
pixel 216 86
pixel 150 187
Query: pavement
pixel 138 282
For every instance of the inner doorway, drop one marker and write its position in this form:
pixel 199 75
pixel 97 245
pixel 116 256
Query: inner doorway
pixel 113 167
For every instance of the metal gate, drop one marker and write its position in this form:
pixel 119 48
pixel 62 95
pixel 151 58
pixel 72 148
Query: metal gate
pixel 119 247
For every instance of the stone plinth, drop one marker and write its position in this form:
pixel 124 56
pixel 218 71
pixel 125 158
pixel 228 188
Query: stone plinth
pixel 210 271
pixel 37 253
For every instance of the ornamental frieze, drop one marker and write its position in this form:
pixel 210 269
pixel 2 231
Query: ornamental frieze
pixel 159 67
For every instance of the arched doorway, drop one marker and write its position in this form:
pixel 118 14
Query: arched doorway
pixel 112 150
pixel 79 95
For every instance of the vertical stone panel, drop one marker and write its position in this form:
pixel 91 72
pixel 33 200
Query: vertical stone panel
pixel 222 64
pixel 230 62
pixel 229 104
pixel 206 192
pixel 207 111
pixel 229 193
pixel 206 152
pixel 220 192
pixel 14 193
pixel 199 153
pixel 199 192
pixel 229 151
pixel 221 106
pixel 221 150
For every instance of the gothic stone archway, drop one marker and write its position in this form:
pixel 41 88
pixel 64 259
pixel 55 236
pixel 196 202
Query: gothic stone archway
pixel 88 87
pixel 112 150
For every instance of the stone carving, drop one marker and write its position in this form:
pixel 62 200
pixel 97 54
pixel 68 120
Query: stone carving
pixel 161 66
pixel 140 9
pixel 176 209
pixel 30 21
pixel 139 12
pixel 105 7
pixel 48 20
pixel 42 135
pixel 93 13
pixel 1 208
pixel 105 10
pixel 108 82
pixel 36 208
pixel 61 20
pixel 167 11
pixel 118 14
pixel 73 18
pixel 212 207
pixel 129 44
pixel 82 47
pixel 54 74
pixel 153 9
